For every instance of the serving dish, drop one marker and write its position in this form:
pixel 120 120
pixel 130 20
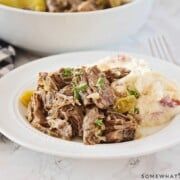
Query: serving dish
pixel 51 33
pixel 14 126
pixel 64 5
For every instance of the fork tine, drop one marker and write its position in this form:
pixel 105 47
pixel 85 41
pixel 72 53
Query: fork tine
pixel 159 47
pixel 169 50
pixel 151 47
pixel 154 48
pixel 163 48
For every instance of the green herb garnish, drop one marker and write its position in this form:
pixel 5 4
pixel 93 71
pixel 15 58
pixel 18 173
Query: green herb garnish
pixel 134 93
pixel 136 110
pixel 82 87
pixel 99 122
pixel 100 82
pixel 68 72
pixel 79 89
pixel 76 94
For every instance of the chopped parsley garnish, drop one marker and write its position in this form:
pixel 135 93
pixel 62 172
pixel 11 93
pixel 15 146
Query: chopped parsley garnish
pixel 99 122
pixel 68 72
pixel 79 89
pixel 134 93
pixel 136 110
pixel 76 93
pixel 100 82
pixel 82 87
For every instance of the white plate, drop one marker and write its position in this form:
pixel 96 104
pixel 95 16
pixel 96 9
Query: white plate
pixel 14 126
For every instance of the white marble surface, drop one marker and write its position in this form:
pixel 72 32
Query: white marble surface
pixel 18 163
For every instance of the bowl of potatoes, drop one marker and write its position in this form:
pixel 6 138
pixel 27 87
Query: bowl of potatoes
pixel 55 26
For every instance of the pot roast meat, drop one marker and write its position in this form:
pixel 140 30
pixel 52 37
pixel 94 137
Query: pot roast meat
pixel 36 112
pixel 41 80
pixel 47 98
pixel 56 99
pixel 86 6
pixel 74 116
pixel 120 127
pixel 79 78
pixel 60 128
pixel 57 80
pixel 76 5
pixel 63 5
pixel 54 109
pixel 116 73
pixel 50 82
pixel 106 94
pixel 71 113
pixel 57 5
pixel 66 75
pixel 37 116
pixel 67 90
pixel 92 134
pixel 54 81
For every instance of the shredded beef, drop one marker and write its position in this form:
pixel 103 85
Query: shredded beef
pixel 80 77
pixel 67 90
pixel 92 134
pixel 62 5
pixel 120 127
pixel 116 73
pixel 36 111
pixel 50 82
pixel 76 5
pixel 79 102
pixel 106 94
pixel 75 116
pixel 60 128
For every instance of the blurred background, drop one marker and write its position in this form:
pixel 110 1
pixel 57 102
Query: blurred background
pixel 164 20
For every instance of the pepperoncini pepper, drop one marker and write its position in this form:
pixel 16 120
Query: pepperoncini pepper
pixel 26 97
pixel 115 3
pixel 125 104
pixel 36 5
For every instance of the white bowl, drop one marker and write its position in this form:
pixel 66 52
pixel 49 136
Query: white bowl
pixel 14 125
pixel 52 33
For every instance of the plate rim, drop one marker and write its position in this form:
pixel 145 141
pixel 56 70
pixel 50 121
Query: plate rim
pixel 76 156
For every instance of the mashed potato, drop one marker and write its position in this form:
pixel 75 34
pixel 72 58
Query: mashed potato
pixel 159 99
pixel 136 66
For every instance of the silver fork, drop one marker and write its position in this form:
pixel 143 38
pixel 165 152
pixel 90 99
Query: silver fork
pixel 160 48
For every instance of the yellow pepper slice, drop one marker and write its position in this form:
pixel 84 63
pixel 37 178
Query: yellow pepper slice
pixel 36 5
pixel 125 104
pixel 115 3
pixel 102 3
pixel 26 97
